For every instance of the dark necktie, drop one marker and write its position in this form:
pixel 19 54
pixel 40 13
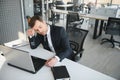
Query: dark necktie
pixel 46 45
pixel 45 38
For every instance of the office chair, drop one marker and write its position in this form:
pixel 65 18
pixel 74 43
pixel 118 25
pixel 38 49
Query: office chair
pixel 53 18
pixel 60 8
pixel 76 38
pixel 59 3
pixel 112 28
pixel 73 20
pixel 70 8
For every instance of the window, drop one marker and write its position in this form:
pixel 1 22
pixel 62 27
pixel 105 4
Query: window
pixel 115 1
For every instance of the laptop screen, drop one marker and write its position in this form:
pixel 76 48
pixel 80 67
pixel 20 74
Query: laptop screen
pixel 21 59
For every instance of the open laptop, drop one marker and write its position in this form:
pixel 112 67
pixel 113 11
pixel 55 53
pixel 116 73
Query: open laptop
pixel 23 60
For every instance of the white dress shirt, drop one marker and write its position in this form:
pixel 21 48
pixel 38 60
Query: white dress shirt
pixel 50 42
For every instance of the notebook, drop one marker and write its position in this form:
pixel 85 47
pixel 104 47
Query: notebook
pixel 60 73
pixel 23 60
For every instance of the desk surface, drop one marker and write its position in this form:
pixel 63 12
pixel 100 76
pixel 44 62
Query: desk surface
pixel 76 71
pixel 65 5
pixel 60 11
pixel 2 60
pixel 94 16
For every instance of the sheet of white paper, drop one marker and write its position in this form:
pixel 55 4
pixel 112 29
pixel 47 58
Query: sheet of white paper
pixel 2 60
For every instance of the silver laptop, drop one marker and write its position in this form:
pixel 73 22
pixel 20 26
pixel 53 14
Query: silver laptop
pixel 23 60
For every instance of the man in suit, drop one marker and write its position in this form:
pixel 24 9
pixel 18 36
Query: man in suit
pixel 57 39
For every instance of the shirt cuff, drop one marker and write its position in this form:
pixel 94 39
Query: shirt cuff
pixel 57 58
pixel 30 36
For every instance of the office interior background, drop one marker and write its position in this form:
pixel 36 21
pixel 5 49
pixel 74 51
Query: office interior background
pixel 103 58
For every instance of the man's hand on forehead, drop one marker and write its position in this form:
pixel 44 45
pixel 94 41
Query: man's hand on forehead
pixel 36 29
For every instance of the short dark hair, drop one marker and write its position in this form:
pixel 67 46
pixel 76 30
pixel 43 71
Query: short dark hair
pixel 33 19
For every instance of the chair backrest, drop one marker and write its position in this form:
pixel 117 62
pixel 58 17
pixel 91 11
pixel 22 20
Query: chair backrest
pixel 72 17
pixel 113 26
pixel 59 3
pixel 70 8
pixel 76 38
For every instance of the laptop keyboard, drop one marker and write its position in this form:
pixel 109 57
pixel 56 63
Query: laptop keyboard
pixel 38 62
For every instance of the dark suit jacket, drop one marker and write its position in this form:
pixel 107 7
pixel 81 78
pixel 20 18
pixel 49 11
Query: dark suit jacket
pixel 59 40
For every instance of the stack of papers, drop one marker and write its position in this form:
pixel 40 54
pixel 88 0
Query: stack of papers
pixel 2 60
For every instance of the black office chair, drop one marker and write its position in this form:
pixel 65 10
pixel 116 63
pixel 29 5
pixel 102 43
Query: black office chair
pixel 112 28
pixel 70 8
pixel 76 38
pixel 53 18
pixel 73 20
pixel 59 3
pixel 60 8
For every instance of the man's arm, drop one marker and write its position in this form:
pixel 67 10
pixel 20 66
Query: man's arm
pixel 66 49
pixel 33 39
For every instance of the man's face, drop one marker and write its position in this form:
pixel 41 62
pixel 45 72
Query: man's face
pixel 40 27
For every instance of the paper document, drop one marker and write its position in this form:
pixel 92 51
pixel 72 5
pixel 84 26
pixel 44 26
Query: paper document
pixel 2 60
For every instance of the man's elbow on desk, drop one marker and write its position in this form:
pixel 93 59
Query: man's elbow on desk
pixel 32 45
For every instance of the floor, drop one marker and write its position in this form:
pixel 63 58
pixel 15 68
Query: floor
pixel 99 57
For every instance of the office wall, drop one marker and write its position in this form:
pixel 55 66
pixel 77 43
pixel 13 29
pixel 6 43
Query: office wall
pixel 10 20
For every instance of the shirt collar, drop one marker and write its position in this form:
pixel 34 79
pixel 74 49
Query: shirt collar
pixel 48 32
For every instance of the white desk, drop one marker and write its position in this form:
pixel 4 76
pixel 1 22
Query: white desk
pixel 2 60
pixel 76 71
pixel 81 72
pixel 94 16
pixel 60 11
pixel 65 6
